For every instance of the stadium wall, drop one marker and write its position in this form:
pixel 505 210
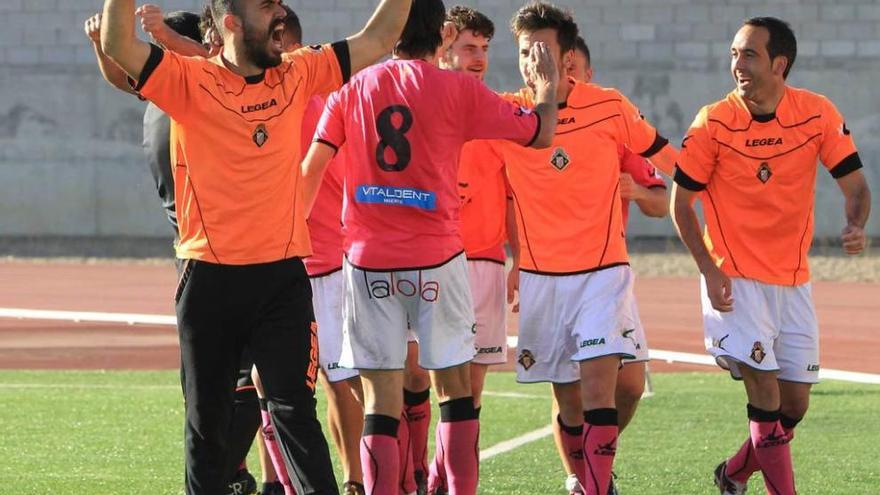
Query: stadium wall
pixel 70 156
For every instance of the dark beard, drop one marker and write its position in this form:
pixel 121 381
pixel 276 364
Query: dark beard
pixel 256 51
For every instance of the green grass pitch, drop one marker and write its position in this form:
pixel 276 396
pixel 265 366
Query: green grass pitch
pixel 121 433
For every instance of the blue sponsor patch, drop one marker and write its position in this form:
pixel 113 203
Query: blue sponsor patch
pixel 403 196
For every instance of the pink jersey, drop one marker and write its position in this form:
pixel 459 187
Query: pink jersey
pixel 642 172
pixel 325 221
pixel 403 123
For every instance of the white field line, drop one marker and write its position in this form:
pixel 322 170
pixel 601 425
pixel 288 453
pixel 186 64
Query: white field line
pixel 147 319
pixel 88 316
pixel 514 443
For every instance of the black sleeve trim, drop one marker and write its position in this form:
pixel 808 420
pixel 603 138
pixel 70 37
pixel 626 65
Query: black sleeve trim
pixel 537 131
pixel 686 181
pixel 328 143
pixel 343 55
pixel 657 186
pixel 846 166
pixel 659 143
pixel 156 55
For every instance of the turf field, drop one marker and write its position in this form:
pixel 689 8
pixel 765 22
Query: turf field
pixel 75 432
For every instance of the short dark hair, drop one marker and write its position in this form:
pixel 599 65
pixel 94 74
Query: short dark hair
pixel 535 16
pixel 465 18
pixel 185 24
pixel 581 46
pixel 782 42
pixel 421 35
pixel 292 25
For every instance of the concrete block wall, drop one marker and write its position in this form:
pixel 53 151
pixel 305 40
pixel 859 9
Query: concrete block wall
pixel 70 158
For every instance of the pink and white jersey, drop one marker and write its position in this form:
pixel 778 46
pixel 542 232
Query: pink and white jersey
pixel 325 221
pixel 403 123
pixel 642 172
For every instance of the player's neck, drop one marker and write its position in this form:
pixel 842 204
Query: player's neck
pixel 767 102
pixel 433 59
pixel 238 63
pixel 563 89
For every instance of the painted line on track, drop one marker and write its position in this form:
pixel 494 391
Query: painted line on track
pixel 512 341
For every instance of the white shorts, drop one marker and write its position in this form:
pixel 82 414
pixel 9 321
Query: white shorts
pixel 379 307
pixel 488 287
pixel 639 336
pixel 572 318
pixel 327 301
pixel 771 328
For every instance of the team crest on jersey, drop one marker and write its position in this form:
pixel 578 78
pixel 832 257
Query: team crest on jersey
pixel 560 159
pixel 526 359
pixel 764 173
pixel 261 135
pixel 758 353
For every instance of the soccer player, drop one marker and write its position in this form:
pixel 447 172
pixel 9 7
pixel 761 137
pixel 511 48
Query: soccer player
pixel 639 182
pixel 238 119
pixel 403 123
pixel 577 323
pixel 342 385
pixel 751 160
pixel 181 30
pixel 482 186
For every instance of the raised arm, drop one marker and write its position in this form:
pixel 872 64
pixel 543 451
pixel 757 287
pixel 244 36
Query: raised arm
pixel 858 207
pixel 379 35
pixel 313 168
pixel 118 38
pixel 545 77
pixel 112 73
pixel 718 285
pixel 153 23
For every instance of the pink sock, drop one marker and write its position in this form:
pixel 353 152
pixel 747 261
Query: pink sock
pixel 600 446
pixel 404 448
pixel 268 432
pixel 437 471
pixel 380 455
pixel 417 409
pixel 573 442
pixel 459 429
pixel 744 463
pixel 772 449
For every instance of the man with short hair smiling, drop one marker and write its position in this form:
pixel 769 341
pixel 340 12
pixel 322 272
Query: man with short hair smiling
pixel 237 118
pixel 751 160
pixel 575 284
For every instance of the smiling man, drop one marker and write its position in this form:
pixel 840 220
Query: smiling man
pixel 751 159
pixel 237 118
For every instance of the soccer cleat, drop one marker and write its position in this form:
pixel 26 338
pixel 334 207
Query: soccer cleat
pixel 352 488
pixel 272 488
pixel 612 488
pixel 727 486
pixel 572 486
pixel 242 484
pixel 421 482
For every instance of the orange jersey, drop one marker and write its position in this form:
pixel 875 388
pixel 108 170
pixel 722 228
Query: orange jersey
pixel 238 150
pixel 758 177
pixel 567 197
pixel 483 191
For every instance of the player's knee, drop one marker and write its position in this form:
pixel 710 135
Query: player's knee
pixel 629 393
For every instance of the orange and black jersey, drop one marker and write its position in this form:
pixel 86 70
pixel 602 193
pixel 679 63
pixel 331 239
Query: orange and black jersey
pixel 757 175
pixel 567 198
pixel 237 176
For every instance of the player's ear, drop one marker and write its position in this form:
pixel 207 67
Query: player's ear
pixel 778 65
pixel 449 33
pixel 231 23
pixel 568 59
